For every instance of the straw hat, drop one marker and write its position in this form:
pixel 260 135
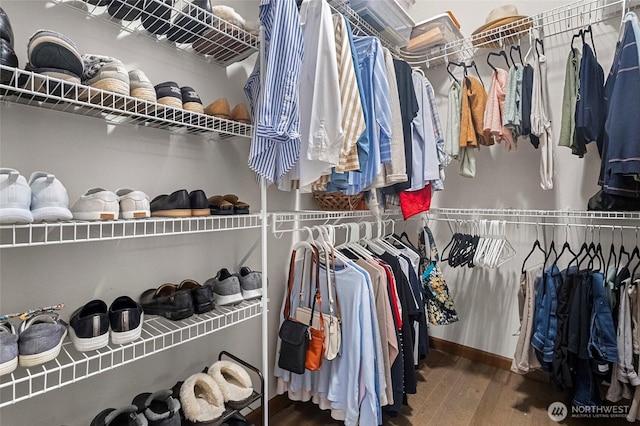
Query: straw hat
pixel 497 18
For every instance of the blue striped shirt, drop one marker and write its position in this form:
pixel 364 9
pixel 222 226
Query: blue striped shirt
pixel 275 145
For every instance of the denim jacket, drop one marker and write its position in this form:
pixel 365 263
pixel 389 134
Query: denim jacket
pixel 602 343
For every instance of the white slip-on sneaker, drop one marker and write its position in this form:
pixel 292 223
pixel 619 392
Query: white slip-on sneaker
pixel 133 204
pixel 96 204
pixel 15 197
pixel 49 198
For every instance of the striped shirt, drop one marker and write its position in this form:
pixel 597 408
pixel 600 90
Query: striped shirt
pixel 352 113
pixel 443 158
pixel 275 145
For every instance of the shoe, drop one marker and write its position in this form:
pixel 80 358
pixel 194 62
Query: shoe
pixel 202 295
pixel 49 198
pixel 15 197
pixel 226 288
pixel 125 416
pixel 195 19
pixel 89 326
pixel 96 204
pixel 237 419
pixel 141 87
pixel 178 204
pixel 156 16
pixel 126 10
pixel 159 408
pixel 111 77
pixel 239 207
pixel 41 81
pixel 98 2
pixel 6 33
pixel 40 339
pixel 201 399
pixel 234 382
pixel 133 204
pixel 8 58
pixel 8 348
pixel 250 283
pixel 125 318
pixel 219 206
pixel 230 15
pixel 168 302
pixel 219 108
pixel 50 49
pixel 168 93
pixel 190 100
pixel 199 203
pixel 240 113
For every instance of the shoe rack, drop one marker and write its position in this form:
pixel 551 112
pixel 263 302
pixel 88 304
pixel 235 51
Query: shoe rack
pixel 48 92
pixel 201 33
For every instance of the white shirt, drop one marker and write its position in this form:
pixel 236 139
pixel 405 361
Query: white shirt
pixel 321 132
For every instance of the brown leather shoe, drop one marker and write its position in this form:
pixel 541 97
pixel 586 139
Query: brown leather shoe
pixel 219 108
pixel 241 114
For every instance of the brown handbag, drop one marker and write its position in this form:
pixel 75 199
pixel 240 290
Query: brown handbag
pixel 315 350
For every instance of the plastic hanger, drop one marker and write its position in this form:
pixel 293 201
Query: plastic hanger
pixel 511 49
pixel 541 44
pixel 503 54
pixel 536 245
pixel 450 73
pixel 565 246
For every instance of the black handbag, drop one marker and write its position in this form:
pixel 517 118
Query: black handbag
pixel 294 335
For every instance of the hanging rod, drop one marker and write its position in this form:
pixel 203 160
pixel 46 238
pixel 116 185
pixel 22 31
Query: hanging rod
pixel 592 226
pixel 532 213
pixel 549 23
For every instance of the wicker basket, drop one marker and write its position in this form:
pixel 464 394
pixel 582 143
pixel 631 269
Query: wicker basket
pixel 337 200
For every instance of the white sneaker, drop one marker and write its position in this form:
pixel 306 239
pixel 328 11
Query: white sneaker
pixel 96 204
pixel 49 198
pixel 133 204
pixel 15 197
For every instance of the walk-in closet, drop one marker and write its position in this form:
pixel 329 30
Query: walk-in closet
pixel 319 212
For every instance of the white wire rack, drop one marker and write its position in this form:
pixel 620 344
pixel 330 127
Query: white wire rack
pixel 158 334
pixel 548 23
pixel 566 215
pixel 179 24
pixel 359 26
pixel 287 221
pixel 44 91
pixel 37 234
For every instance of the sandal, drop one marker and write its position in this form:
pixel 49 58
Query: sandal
pixel 220 206
pixel 239 207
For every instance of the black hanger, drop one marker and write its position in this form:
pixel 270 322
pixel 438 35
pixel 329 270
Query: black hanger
pixel 552 249
pixel 449 70
pixel 515 47
pixel 593 46
pixel 579 34
pixel 565 246
pixel 537 245
pixel 541 43
pixel 501 53
pixel 623 251
pixel 475 67
pixel 612 255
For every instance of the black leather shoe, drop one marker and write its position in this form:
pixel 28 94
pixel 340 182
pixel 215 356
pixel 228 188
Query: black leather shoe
pixel 126 10
pixel 89 326
pixel 188 27
pixel 7 58
pixel 199 203
pixel 156 16
pixel 6 33
pixel 177 204
pixel 202 295
pixel 125 318
pixel 168 302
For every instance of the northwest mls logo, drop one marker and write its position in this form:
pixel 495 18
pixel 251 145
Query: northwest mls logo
pixel 557 411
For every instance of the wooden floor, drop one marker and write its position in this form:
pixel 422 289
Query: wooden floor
pixel 457 391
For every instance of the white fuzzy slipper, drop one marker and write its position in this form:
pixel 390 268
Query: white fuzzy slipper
pixel 229 14
pixel 201 398
pixel 234 382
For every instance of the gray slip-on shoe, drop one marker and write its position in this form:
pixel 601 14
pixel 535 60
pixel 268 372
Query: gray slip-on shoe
pixel 40 339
